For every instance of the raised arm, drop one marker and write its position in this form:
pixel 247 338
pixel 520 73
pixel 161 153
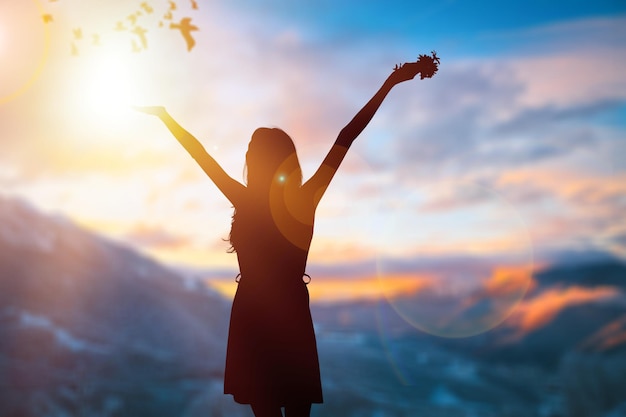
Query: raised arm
pixel 321 179
pixel 227 185
pixel 354 128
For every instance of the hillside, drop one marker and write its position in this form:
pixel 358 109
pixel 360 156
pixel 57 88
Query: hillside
pixel 88 325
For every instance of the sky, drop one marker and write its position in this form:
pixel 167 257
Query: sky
pixel 511 157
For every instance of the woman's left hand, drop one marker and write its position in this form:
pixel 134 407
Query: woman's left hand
pixel 154 110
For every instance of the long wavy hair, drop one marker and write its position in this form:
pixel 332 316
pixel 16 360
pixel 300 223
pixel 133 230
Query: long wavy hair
pixel 271 161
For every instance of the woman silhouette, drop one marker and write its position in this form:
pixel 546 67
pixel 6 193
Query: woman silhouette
pixel 271 359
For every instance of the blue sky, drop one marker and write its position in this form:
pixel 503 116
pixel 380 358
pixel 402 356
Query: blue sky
pixel 427 19
pixel 462 27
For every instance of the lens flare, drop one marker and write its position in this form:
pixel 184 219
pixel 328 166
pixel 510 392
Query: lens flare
pixel 24 45
pixel 468 252
pixel 292 218
pixel 396 352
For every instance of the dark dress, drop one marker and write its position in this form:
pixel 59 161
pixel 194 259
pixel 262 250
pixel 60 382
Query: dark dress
pixel 272 353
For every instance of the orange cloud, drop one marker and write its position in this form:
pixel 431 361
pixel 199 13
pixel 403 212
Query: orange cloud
pixel 506 281
pixel 539 311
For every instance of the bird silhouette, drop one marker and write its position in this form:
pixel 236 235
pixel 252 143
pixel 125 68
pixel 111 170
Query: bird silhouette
pixel 194 4
pixel 133 19
pixel 185 28
pixel 74 49
pixel 47 18
pixel 172 5
pixel 141 32
pixel 148 9
pixel 120 26
pixel 78 33
pixel 168 16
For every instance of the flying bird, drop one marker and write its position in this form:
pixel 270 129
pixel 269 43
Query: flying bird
pixel 185 28
pixel 141 32
pixel 194 4
pixel 172 5
pixel 133 19
pixel 78 33
pixel 168 16
pixel 120 26
pixel 147 7
pixel 47 18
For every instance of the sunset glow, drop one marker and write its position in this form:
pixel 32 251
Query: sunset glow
pixel 329 290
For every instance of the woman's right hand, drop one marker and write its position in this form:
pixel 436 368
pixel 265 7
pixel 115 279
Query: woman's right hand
pixel 426 66
pixel 154 110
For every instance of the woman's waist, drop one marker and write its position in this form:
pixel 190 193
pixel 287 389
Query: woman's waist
pixel 278 275
pixel 273 277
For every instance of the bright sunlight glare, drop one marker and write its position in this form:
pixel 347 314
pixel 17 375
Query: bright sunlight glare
pixel 108 89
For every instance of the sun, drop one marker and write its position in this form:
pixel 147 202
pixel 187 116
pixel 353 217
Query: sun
pixel 107 88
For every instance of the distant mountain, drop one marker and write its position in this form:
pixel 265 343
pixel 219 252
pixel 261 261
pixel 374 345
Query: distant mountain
pixel 87 324
pixel 606 272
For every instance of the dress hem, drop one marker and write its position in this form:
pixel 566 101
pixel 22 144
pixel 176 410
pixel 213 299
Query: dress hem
pixel 248 401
